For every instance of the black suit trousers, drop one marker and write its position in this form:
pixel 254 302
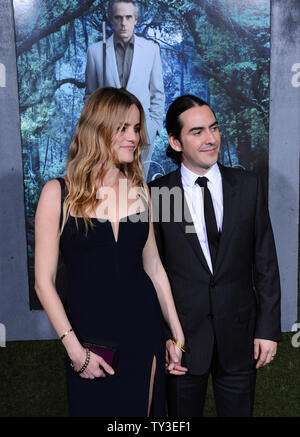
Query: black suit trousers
pixel 233 391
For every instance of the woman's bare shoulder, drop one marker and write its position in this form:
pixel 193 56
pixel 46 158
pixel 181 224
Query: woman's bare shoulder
pixel 50 195
pixel 51 189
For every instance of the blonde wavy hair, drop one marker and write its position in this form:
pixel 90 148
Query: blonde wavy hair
pixel 91 155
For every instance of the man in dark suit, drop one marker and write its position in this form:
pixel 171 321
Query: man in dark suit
pixel 216 243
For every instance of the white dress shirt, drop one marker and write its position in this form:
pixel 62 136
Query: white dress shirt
pixel 194 198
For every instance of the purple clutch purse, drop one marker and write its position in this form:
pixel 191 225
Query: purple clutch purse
pixel 109 354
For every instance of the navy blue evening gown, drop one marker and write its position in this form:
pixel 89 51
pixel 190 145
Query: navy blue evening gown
pixel 112 301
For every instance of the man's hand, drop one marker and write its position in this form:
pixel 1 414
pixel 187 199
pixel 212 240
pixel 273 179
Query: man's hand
pixel 264 351
pixel 173 359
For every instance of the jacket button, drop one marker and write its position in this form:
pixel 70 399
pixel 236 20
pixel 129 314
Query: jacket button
pixel 212 283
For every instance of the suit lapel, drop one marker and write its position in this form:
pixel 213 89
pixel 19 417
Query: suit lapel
pixel 230 204
pixel 186 224
pixel 137 56
pixel 111 63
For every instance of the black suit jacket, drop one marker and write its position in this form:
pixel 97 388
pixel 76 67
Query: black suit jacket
pixel 240 301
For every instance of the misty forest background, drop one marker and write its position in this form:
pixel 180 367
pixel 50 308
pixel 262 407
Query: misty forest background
pixel 216 49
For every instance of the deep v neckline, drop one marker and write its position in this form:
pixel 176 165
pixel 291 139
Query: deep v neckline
pixel 117 234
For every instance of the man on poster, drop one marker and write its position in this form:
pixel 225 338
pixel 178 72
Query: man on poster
pixel 133 63
pixel 218 250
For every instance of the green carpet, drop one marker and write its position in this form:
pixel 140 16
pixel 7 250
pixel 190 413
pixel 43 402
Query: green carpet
pixel 32 382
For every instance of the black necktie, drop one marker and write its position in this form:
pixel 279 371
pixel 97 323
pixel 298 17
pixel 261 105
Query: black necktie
pixel 213 234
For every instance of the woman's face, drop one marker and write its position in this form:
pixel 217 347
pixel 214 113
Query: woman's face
pixel 128 137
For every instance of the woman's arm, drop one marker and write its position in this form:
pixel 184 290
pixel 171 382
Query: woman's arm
pixel 47 235
pixel 155 270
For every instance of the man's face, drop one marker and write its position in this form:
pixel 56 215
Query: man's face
pixel 124 20
pixel 199 139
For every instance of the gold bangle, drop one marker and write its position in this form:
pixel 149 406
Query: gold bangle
pixel 181 346
pixel 66 333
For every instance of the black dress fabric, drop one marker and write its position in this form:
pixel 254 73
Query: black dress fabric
pixel 111 301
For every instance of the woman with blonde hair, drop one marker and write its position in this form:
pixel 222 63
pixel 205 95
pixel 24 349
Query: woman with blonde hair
pixel 98 216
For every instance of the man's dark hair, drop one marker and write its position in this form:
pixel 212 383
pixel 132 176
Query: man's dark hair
pixel 113 2
pixel 173 122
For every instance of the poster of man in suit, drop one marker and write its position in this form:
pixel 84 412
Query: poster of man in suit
pixel 219 51
pixel 132 62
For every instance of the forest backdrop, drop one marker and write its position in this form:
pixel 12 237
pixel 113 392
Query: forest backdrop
pixel 216 49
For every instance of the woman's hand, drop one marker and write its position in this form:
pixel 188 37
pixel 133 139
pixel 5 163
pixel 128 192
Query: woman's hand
pixel 173 359
pixel 97 367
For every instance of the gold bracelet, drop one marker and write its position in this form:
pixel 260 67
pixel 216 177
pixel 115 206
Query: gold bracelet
pixel 66 333
pixel 86 363
pixel 181 346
